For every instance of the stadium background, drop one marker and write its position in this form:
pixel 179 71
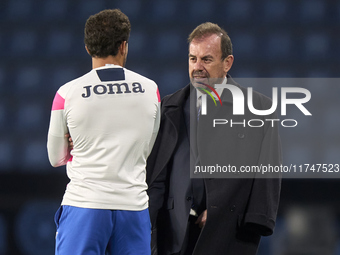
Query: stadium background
pixel 41 48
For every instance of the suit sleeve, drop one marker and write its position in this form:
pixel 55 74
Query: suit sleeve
pixel 57 144
pixel 156 124
pixel 264 201
pixel 156 179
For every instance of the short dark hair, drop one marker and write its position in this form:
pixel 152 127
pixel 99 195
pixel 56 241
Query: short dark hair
pixel 209 28
pixel 105 32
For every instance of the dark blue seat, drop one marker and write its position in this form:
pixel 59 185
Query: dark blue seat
pixel 34 227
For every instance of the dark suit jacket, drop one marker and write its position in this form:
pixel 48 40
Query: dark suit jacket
pixel 239 210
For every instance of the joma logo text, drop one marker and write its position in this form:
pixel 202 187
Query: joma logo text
pixel 113 88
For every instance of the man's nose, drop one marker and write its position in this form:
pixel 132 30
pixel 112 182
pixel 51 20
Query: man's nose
pixel 198 65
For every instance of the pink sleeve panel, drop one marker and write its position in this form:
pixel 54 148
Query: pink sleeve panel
pixel 58 102
pixel 159 97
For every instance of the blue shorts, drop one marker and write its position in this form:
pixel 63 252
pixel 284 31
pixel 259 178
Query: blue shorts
pixel 99 232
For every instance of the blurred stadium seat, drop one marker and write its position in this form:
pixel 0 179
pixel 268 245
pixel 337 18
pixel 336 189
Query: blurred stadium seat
pixel 28 81
pixel 317 45
pixel 133 9
pixel 313 11
pixel 168 44
pixel 304 225
pixel 86 8
pixel 165 10
pixel 34 156
pixel 238 11
pixel 54 10
pixel 19 9
pixel 279 45
pixel 24 43
pixel 60 42
pixel 35 229
pixel 201 11
pixel 29 117
pixel 276 11
pixel 244 44
pixel 137 43
pixel 6 154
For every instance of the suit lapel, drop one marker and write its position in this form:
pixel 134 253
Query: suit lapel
pixel 209 138
pixel 190 115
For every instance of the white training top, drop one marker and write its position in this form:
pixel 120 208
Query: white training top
pixel 112 115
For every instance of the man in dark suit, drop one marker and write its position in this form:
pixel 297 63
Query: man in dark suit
pixel 216 216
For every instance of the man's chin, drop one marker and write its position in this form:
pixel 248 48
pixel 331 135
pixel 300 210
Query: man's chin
pixel 199 82
pixel 203 82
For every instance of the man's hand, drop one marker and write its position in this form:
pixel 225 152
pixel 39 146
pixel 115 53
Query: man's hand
pixel 70 142
pixel 202 219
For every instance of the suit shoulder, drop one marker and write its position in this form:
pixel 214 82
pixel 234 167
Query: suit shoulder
pixel 175 97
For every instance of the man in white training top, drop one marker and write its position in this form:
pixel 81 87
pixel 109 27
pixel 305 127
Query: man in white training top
pixel 112 115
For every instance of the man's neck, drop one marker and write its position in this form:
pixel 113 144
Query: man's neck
pixel 99 62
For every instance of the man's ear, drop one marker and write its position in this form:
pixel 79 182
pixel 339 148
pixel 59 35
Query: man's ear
pixel 123 48
pixel 228 62
pixel 87 50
